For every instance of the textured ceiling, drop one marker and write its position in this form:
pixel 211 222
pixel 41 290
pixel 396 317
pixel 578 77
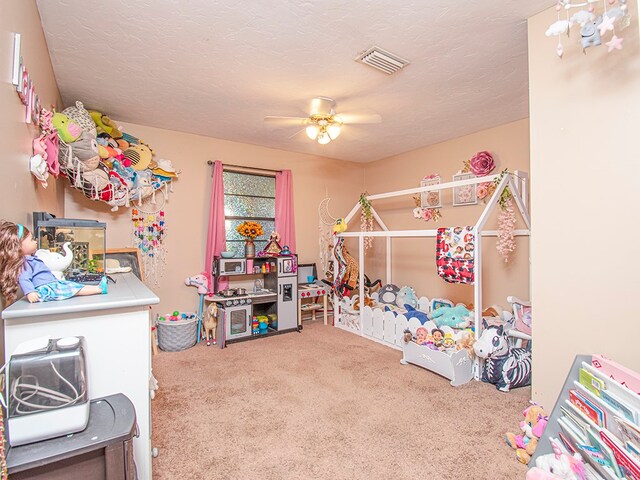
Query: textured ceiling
pixel 216 68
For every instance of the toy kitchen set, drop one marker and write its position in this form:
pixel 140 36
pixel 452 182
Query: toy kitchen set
pixel 260 300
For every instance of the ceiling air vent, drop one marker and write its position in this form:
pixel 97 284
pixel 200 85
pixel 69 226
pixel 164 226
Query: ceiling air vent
pixel 382 60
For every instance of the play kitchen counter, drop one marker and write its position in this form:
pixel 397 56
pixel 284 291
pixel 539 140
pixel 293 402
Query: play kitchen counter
pixel 116 327
pixel 259 301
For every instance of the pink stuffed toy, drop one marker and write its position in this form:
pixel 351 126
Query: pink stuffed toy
pixel 535 421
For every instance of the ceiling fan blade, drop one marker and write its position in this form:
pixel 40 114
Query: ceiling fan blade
pixel 287 120
pixel 351 118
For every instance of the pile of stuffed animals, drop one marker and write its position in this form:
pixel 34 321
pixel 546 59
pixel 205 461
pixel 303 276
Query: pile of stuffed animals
pixel 99 159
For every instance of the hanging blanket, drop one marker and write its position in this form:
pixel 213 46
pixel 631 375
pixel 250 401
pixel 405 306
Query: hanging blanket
pixel 455 248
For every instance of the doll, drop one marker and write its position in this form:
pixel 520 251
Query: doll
pixel 421 336
pixel 438 337
pixel 19 266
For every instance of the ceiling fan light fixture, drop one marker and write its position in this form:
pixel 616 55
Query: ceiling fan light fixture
pixel 312 131
pixel 333 131
pixel 323 138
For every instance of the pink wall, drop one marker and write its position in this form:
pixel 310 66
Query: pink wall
pixel 413 259
pixel 585 112
pixel 21 193
pixel 187 209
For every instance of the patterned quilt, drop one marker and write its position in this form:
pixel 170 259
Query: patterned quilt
pixel 455 252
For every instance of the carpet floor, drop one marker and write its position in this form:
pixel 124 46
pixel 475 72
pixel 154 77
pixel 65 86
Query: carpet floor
pixel 325 404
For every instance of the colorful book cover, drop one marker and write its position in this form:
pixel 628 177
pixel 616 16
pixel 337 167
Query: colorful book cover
pixel 619 373
pixel 594 413
pixel 630 432
pixel 617 404
pixel 630 469
pixel 591 382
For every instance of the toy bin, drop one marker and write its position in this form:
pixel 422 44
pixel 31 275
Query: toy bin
pixel 176 335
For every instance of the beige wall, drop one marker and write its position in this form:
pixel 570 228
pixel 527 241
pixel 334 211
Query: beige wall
pixel 413 260
pixel 585 113
pixel 188 207
pixel 21 193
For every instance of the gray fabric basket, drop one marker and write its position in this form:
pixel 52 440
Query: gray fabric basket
pixel 178 335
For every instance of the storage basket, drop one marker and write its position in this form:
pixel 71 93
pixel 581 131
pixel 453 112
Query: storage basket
pixel 177 335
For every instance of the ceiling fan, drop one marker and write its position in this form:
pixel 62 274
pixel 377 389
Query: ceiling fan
pixel 323 123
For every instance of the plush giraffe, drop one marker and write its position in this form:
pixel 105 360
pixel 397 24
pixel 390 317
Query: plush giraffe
pixel 350 278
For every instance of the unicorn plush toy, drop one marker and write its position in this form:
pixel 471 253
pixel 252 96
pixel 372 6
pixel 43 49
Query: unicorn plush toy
pixel 557 465
pixel 505 366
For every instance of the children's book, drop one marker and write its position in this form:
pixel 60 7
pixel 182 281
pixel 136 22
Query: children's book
pixel 593 412
pixel 628 466
pixel 575 418
pixel 630 399
pixel 609 459
pixel 619 373
pixel 629 432
pixel 609 414
pixel 574 436
pixel 591 382
pixel 634 450
pixel 615 403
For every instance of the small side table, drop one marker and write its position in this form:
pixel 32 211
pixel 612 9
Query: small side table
pixel 313 291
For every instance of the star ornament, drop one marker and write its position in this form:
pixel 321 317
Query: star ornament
pixel 614 44
pixel 606 25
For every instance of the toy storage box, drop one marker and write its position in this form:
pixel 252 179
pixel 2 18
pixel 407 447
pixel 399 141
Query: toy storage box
pixel 457 367
pixel 174 336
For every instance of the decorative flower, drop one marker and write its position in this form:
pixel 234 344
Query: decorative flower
pixel 427 214
pixel 417 212
pixel 431 176
pixel 482 164
pixel 250 229
pixel 482 190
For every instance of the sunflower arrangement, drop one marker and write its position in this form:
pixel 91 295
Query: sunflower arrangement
pixel 250 229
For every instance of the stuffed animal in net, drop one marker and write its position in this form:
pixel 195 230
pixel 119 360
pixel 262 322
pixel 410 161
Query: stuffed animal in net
pixel 454 317
pixel 532 428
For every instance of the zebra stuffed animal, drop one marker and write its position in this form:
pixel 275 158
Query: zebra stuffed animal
pixel 505 366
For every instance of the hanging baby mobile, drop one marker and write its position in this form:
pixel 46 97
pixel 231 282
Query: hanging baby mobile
pixel 426 203
pixel 596 25
pixel 109 166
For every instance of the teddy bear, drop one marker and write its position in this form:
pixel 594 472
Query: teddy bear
pixel 535 421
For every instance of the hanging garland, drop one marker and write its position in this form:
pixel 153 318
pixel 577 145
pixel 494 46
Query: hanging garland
pixel 366 220
pixel 148 237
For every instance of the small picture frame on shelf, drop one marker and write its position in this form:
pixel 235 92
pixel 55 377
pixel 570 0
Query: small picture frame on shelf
pixel 466 194
pixel 430 199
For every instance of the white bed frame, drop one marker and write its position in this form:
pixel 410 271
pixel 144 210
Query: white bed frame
pixel 384 327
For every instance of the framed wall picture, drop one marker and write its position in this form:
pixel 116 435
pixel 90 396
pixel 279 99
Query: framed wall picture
pixel 121 260
pixel 466 194
pixel 430 199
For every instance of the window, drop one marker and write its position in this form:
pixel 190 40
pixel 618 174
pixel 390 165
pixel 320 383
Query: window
pixel 248 197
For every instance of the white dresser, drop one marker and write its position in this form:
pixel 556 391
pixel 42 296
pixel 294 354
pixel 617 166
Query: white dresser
pixel 117 330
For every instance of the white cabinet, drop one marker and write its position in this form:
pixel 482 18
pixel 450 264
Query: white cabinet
pixel 116 327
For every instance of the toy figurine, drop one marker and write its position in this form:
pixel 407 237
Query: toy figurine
pixel 19 266
pixel 438 337
pixel 285 250
pixel 448 343
pixel 421 336
pixel 210 323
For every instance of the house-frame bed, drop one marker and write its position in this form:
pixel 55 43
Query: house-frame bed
pixel 386 327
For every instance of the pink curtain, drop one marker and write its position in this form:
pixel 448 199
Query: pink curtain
pixel 216 235
pixel 285 224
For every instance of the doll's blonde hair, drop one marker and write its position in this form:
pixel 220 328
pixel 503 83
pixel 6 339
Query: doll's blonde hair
pixel 11 259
